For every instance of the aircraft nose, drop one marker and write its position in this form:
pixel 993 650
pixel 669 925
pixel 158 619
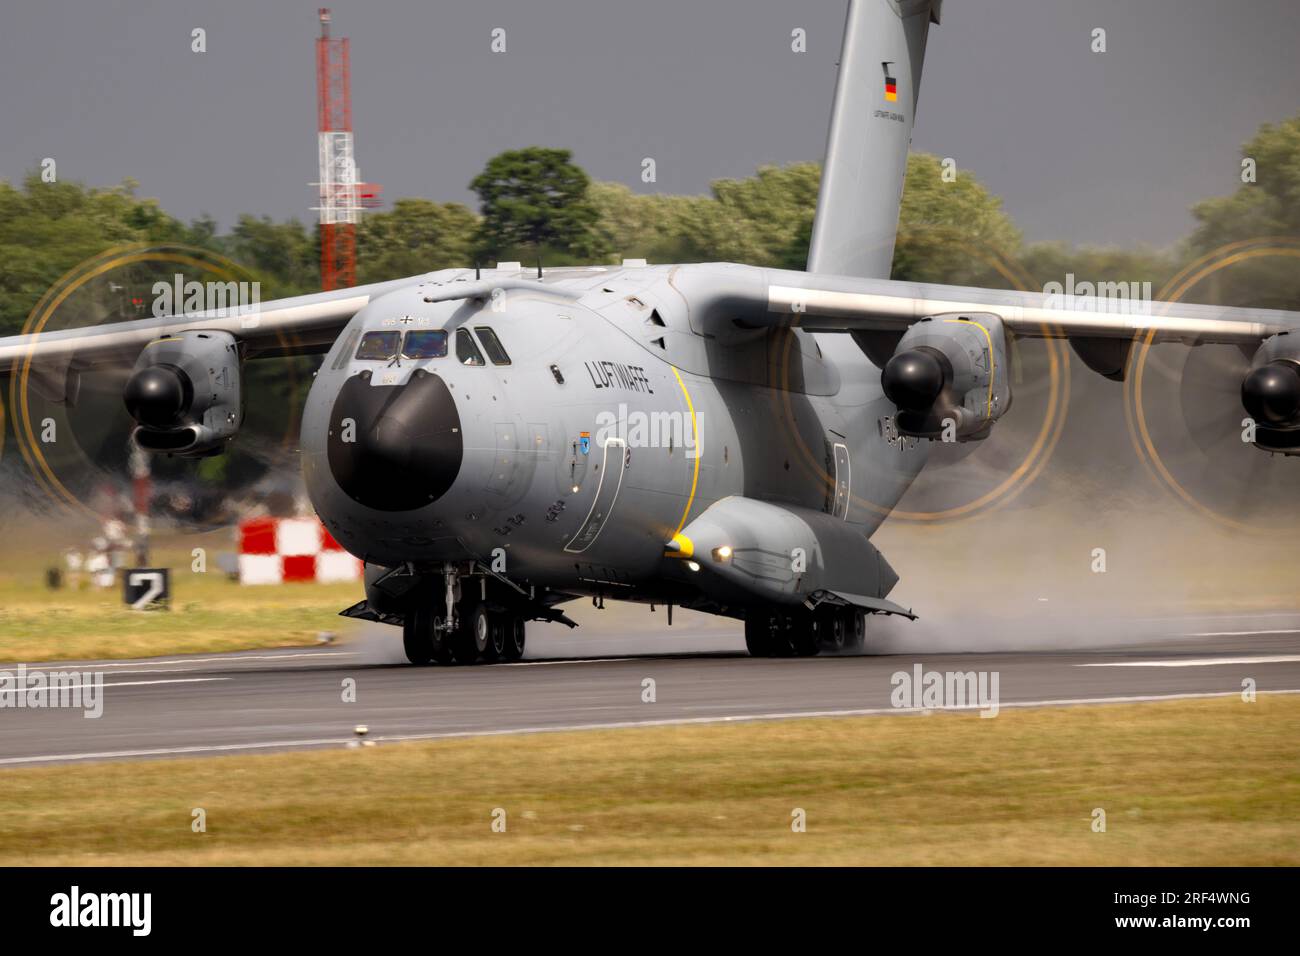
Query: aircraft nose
pixel 395 447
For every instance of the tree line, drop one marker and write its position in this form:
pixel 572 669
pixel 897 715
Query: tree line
pixel 538 203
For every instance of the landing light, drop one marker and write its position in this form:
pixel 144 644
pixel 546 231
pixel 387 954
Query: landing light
pixel 722 553
pixel 692 565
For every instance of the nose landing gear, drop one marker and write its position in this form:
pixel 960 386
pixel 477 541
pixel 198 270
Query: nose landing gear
pixel 476 632
pixel 425 637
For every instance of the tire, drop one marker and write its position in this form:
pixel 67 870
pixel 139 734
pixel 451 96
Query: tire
pixel 423 638
pixel 758 635
pixel 416 636
pixel 473 636
pixel 498 636
pixel 516 633
pixel 806 644
pixel 782 636
pixel 857 630
pixel 833 629
pixel 441 642
pixel 802 636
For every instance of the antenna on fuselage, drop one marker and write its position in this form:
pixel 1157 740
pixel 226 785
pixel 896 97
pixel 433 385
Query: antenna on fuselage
pixel 539 265
pixel 478 273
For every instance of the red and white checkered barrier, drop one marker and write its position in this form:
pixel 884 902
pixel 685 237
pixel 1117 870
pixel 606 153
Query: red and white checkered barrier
pixel 275 550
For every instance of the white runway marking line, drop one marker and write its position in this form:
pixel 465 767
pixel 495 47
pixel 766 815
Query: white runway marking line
pixel 1278 630
pixel 570 660
pixel 169 680
pixel 146 662
pixel 1200 662
pixel 131 683
pixel 613 725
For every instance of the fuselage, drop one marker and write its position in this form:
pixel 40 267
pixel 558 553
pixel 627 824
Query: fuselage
pixel 566 438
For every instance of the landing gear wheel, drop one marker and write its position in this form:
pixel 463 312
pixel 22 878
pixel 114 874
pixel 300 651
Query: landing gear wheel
pixel 857 630
pixel 473 636
pixel 778 634
pixel 423 638
pixel 794 635
pixel 759 637
pixel 781 646
pixel 782 636
pixel 837 627
pixel 441 641
pixel 833 629
pixel 498 636
pixel 515 633
pixel 416 636
pixel 802 636
pixel 804 640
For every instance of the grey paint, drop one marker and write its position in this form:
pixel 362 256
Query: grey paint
pixel 778 415
pixel 866 150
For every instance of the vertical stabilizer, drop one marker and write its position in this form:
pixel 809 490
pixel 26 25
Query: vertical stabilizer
pixel 871 129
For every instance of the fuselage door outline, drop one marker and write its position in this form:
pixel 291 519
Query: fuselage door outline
pixel 843 481
pixel 602 506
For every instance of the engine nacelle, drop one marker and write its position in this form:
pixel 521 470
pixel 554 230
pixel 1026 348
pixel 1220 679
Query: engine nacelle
pixel 184 394
pixel 1271 394
pixel 949 378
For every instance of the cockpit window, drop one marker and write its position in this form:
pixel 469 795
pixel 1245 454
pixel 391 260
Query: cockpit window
pixel 379 346
pixel 425 344
pixel 467 352
pixel 345 353
pixel 492 345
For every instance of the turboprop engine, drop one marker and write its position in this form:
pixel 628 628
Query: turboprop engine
pixel 948 377
pixel 1270 392
pixel 184 394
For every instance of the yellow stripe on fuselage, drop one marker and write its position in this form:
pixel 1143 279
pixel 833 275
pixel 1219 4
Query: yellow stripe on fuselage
pixel 695 436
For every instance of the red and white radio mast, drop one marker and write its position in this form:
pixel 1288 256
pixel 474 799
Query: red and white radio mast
pixel 342 194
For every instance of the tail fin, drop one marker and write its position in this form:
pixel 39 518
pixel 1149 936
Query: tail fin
pixel 871 128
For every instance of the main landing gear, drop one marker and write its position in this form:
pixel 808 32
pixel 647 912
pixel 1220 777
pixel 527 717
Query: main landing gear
pixel 463 621
pixel 771 632
pixel 483 633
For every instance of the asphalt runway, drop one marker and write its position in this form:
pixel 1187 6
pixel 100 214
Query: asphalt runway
pixel 294 698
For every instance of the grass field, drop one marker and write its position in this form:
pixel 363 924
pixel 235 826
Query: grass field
pixel 208 614
pixel 1210 782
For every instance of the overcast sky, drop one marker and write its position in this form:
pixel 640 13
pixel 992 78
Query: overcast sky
pixel 1083 147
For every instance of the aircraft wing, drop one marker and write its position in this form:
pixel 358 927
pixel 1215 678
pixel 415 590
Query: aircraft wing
pixel 299 325
pixel 724 297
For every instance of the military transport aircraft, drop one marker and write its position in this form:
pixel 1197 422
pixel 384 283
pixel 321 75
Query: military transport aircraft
pixel 712 436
